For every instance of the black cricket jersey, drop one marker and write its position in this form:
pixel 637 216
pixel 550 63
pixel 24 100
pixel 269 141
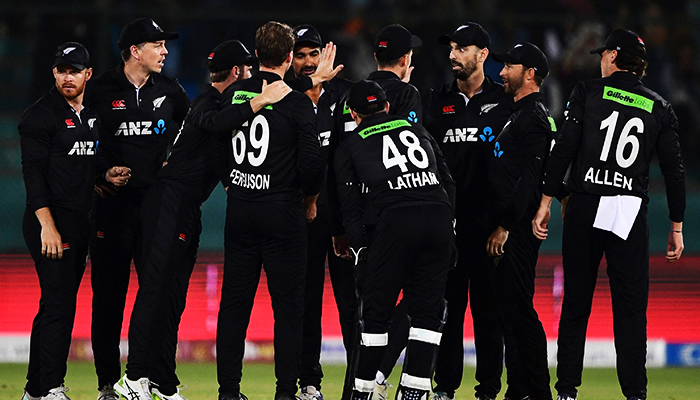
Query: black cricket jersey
pixel 466 129
pixel 404 98
pixel 275 156
pixel 404 101
pixel 517 159
pixel 325 110
pixel 612 128
pixel 58 154
pixel 398 161
pixel 136 125
pixel 199 154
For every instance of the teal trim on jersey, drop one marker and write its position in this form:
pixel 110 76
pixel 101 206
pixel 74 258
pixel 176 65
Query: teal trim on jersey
pixel 628 99
pixel 346 108
pixel 552 124
pixel 383 128
pixel 241 96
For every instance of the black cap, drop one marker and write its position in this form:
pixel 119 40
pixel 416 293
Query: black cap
pixel 624 41
pixel 227 55
pixel 365 96
pixel 468 34
pixel 307 34
pixel 142 30
pixel 393 41
pixel 528 55
pixel 74 54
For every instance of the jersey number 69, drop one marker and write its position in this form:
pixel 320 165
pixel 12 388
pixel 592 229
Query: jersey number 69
pixel 260 143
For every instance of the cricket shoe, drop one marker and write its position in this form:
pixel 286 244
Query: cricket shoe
pixel 564 396
pixel 381 390
pixel 107 393
pixel 27 396
pixel 158 395
pixel 441 396
pixel 240 396
pixel 58 393
pixel 310 393
pixel 134 390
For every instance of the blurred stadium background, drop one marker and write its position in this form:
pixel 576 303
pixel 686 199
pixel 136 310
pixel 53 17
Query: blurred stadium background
pixel 565 29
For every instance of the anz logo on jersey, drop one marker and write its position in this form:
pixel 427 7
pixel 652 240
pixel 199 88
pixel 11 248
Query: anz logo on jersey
pixel 463 135
pixel 83 148
pixel 140 128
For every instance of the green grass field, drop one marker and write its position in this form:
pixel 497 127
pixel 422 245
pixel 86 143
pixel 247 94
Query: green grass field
pixel 259 382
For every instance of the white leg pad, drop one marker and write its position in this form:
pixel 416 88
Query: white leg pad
pixel 415 382
pixel 425 335
pixel 362 385
pixel 374 339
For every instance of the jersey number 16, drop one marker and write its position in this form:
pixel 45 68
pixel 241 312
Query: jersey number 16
pixel 623 142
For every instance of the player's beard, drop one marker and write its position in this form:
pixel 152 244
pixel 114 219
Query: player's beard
pixel 71 91
pixel 465 71
pixel 514 84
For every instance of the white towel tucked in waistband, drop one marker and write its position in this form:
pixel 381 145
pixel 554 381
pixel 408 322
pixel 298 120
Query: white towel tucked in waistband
pixel 616 214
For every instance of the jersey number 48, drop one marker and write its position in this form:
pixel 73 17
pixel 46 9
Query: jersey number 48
pixel 392 157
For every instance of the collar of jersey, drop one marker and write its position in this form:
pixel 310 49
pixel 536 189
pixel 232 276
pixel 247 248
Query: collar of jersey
pixel 60 101
pixel 626 75
pixel 383 75
pixel 268 76
pixel 124 82
pixel 527 100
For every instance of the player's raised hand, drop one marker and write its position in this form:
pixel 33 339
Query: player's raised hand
pixel 325 71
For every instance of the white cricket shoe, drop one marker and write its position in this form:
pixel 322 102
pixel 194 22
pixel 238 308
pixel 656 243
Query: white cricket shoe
pixel 134 390
pixel 58 393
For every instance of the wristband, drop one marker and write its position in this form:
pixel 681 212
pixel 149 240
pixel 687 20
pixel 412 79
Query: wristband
pixel 676 231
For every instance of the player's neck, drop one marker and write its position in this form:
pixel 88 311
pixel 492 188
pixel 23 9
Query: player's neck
pixel 472 85
pixel 76 102
pixel 221 86
pixel 397 69
pixel 525 91
pixel 315 93
pixel 280 70
pixel 136 74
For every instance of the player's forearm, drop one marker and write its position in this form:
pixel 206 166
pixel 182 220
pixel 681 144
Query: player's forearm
pixel 545 202
pixel 230 118
pixel 45 218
